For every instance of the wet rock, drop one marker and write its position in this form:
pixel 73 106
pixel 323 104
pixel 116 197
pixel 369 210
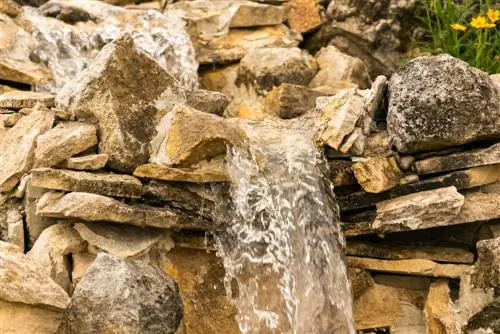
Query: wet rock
pixel 376 175
pixel 177 144
pixel 221 79
pixel 266 68
pixel 51 251
pixel 119 185
pixel 86 162
pixel 18 147
pixel 208 101
pixel 304 15
pixel 62 142
pixel 433 99
pixel 126 104
pixel 11 222
pixel 289 101
pixel 360 281
pixel 210 172
pixel 123 296
pixel 21 99
pixel 487 271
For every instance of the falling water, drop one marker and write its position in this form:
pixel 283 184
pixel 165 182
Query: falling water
pixel 283 246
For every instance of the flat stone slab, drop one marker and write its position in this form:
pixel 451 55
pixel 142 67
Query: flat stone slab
pixel 86 162
pixel 119 185
pixel 376 174
pixel 186 174
pixel 21 99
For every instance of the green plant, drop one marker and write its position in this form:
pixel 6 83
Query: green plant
pixel 466 29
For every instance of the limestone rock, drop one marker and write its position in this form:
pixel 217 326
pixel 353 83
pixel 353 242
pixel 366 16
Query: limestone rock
pixel 119 185
pixel 123 296
pixel 420 210
pixel 10 8
pixel 35 224
pixel 479 206
pixel 208 101
pixel 62 142
pixel 51 251
pixel 11 120
pixel 487 271
pixel 177 144
pixel 377 145
pixel 126 104
pixel 92 207
pixel 266 68
pixel 289 101
pixel 81 262
pixel 11 223
pixel 376 175
pixel 86 162
pixel 220 79
pixel 20 99
pixel 433 99
pixel 439 310
pixel 304 15
pixel 210 173
pixel 18 147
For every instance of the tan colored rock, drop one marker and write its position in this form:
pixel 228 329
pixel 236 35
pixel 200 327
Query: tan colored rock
pixel 496 80
pixel 81 261
pixel 18 147
pixel 92 207
pixel 119 185
pixel 208 101
pixel 25 99
pixel 341 172
pixel 377 145
pixel 86 162
pixel 10 8
pixel 289 101
pixel 35 224
pixel 220 79
pixel 479 206
pixel 11 222
pixel 440 312
pixel 404 282
pixel 304 15
pixel 62 142
pixel 376 175
pixel 210 173
pixel 178 143
pixel 417 267
pixel 360 280
pixel 487 268
pixel 10 120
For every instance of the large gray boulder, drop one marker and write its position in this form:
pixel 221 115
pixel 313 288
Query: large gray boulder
pixel 440 101
pixel 123 296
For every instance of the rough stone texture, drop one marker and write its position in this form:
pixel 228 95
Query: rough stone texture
pixel 62 142
pixel 18 147
pixel 439 310
pixel 289 101
pixel 487 268
pixel 81 262
pixel 376 175
pixel 304 15
pixel 92 207
pixel 238 42
pixel 11 120
pixel 119 185
pixel 208 101
pixel 269 67
pixel 360 280
pixel 35 224
pixel 421 210
pixel 341 172
pixel 177 144
pixel 11 222
pixel 10 8
pixel 479 206
pixel 125 92
pixel 434 103
pixel 496 79
pixel 51 251
pixel 21 99
pixel 487 319
pixel 210 173
pixel 123 296
pixel 86 162
pixel 220 79
pixel 454 161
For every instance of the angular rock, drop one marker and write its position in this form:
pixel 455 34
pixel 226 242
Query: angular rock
pixel 455 161
pixel 377 145
pixel 417 267
pixel 404 282
pixel 266 68
pixel 18 147
pixel 177 144
pixel 123 296
pixel 210 173
pixel 479 206
pixel 62 142
pixel 420 210
pixel 488 319
pixel 51 250
pixel 11 119
pixel 221 79
pixel 126 104
pixel 304 15
pixel 289 101
pixel 341 172
pixel 487 268
pixel 208 101
pixel 86 162
pixel 433 99
pixel 238 42
pixel 21 99
pixel 440 312
pixel 119 185
pixel 35 224
pixel 11 223
pixel 92 207
pixel 81 262
pixel 376 175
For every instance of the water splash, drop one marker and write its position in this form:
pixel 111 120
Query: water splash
pixel 283 249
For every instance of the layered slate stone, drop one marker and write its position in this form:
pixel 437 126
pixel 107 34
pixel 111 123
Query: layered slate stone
pixel 205 174
pixel 86 162
pixel 125 92
pixel 62 142
pixel 18 146
pixel 376 175
pixel 434 103
pixel 289 101
pixel 22 99
pixel 96 208
pixel 119 185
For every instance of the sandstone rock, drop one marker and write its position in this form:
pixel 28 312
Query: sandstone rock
pixel 125 104
pixel 210 173
pixel 360 281
pixel 177 144
pixel 92 207
pixel 86 162
pixel 10 8
pixel 119 185
pixel 404 282
pixel 220 79
pixel 11 223
pixel 433 99
pixel 479 206
pixel 266 68
pixel 418 267
pixel 17 149
pixel 51 251
pixel 11 120
pixel 375 98
pixel 238 42
pixel 208 101
pixel 420 210
pixel 440 311
pixel 289 101
pixel 62 142
pixel 376 175
pixel 20 99
pixel 81 262
pixel 35 224
pixel 123 296
pixel 304 15
pixel 496 79
pixel 487 268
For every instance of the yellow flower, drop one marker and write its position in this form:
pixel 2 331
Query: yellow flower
pixel 493 15
pixel 479 22
pixel 458 27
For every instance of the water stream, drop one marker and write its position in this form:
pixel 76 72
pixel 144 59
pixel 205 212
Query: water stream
pixel 282 253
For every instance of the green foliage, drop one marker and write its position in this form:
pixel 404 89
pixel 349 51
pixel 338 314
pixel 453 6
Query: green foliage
pixel 466 29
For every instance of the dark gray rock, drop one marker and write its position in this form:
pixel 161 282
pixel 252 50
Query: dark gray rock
pixel 487 318
pixel 123 296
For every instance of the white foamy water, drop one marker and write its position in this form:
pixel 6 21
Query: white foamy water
pixel 282 253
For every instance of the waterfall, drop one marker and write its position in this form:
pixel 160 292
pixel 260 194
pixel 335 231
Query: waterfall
pixel 283 250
